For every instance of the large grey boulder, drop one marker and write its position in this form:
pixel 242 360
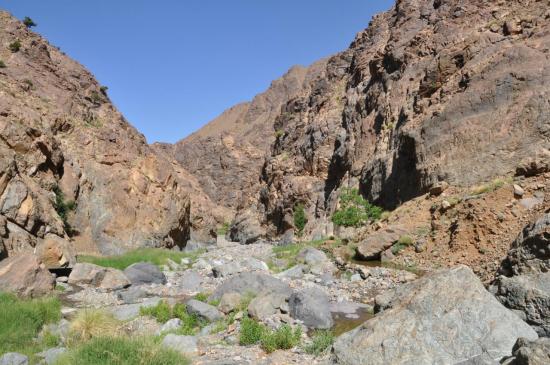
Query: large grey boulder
pixel 312 307
pixel 98 276
pixel 528 295
pixel 530 352
pixel 186 345
pixel 227 269
pixel 442 318
pixel 251 283
pixel 204 310
pixel 144 273
pixel 311 256
pixel 14 358
pixel 524 283
pixel 133 294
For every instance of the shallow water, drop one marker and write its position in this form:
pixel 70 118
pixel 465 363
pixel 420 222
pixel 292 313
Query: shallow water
pixel 342 322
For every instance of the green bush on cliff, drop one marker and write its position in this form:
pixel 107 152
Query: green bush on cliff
pixel 29 23
pixel 354 210
pixel 300 219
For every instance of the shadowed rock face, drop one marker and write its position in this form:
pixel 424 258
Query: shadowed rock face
pixel 455 90
pixel 61 138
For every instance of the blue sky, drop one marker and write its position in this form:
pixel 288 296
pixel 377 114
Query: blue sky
pixel 171 66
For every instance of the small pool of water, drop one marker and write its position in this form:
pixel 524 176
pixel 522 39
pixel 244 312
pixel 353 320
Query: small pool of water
pixel 343 323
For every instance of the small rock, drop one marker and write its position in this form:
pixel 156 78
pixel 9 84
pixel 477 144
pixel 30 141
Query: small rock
pixel 355 277
pixel 439 188
pixel 225 270
pixel 445 205
pixel 144 273
pixel 204 310
pixel 229 302
pixel 51 356
pixel 190 281
pixel 295 272
pixel 265 306
pixel 132 295
pixel 186 345
pixel 14 358
pixel 172 325
pixel 518 191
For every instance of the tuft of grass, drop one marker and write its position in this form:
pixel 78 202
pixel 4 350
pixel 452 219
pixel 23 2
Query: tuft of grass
pixel 489 187
pixel 21 320
pixel 2 64
pixel 405 240
pixel 251 332
pixel 162 312
pixel 121 351
pixel 283 338
pixel 201 297
pixel 15 46
pixel 321 342
pixel 156 256
pixel 223 229
pixel 92 323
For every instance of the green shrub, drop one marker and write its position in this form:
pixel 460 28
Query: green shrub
pixel 95 97
pixel 162 312
pixel 15 46
pixel 156 256
pixel 279 133
pixel 121 351
pixel 354 210
pixel 321 342
pixel 300 219
pixel 201 297
pixel 103 90
pixel 251 332
pixel 29 23
pixel 63 208
pixel 405 240
pixel 2 64
pixel 223 229
pixel 21 321
pixel 283 338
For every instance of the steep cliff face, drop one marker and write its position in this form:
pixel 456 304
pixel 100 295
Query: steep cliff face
pixel 226 156
pixel 431 90
pixel 62 141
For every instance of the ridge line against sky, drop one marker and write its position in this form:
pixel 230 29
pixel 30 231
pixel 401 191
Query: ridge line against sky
pixel 173 66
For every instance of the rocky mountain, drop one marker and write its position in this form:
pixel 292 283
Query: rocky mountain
pixel 431 91
pixel 73 169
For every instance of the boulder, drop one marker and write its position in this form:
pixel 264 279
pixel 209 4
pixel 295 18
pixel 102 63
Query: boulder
pixel 144 273
pixel 190 281
pixel 55 252
pixel 295 272
pixel 129 311
pixel 446 317
pixel 372 247
pixel 132 295
pixel 264 306
pixel 51 356
pixel 186 345
pixel 530 251
pixel 224 270
pixel 311 256
pixel 171 325
pixel 251 283
pixel 101 277
pixel 253 264
pixel 25 275
pixel 203 310
pixel 311 306
pixel 524 283
pixel 14 358
pixel 529 295
pixel 230 302
pixel 246 229
pixel 527 352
